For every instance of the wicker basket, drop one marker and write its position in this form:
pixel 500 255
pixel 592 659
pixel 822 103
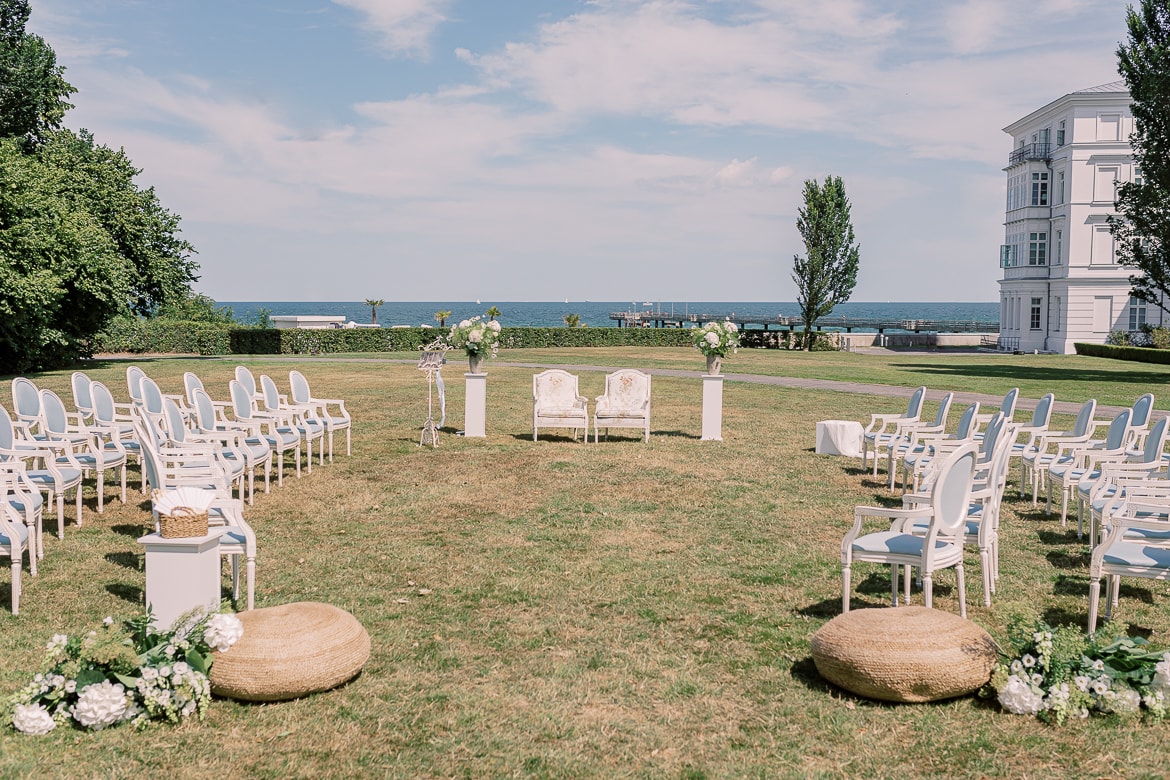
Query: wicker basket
pixel 183 522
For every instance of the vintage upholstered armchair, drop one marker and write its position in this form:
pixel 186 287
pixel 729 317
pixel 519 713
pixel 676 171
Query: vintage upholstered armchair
pixel 556 403
pixel 626 403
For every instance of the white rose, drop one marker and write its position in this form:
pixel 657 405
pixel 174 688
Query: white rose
pixel 1018 698
pixel 100 705
pixel 181 668
pixel 223 631
pixel 32 719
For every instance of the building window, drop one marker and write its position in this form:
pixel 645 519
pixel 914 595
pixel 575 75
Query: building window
pixel 1059 253
pixel 1060 134
pixel 1039 189
pixel 1137 314
pixel 1059 188
pixel 1037 248
pixel 1034 319
pixel 1137 175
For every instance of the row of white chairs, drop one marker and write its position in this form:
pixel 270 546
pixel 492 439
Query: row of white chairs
pixel 47 451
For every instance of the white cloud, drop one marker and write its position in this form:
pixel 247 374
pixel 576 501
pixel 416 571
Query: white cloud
pixel 404 26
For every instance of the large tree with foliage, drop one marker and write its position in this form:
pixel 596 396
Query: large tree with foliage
pixel 827 273
pixel 1142 225
pixel 80 241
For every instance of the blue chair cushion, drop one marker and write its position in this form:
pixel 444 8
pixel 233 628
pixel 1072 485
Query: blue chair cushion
pixel 1137 554
pixel 893 542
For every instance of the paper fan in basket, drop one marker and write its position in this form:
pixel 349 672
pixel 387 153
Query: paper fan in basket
pixel 182 513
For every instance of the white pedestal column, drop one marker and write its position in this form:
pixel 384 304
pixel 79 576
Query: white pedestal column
pixel 712 408
pixel 475 406
pixel 181 574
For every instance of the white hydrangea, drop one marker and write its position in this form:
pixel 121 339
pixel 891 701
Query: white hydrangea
pixel 1019 698
pixel 100 705
pixel 223 631
pixel 58 642
pixel 1123 701
pixel 32 719
pixel 1161 681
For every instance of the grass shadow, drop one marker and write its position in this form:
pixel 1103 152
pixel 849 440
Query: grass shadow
pixel 828 608
pixel 129 593
pixel 1064 536
pixel 1014 372
pixel 132 530
pixel 1063 616
pixel 127 560
pixel 1069 560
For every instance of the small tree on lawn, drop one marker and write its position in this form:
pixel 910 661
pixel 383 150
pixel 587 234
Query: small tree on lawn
pixel 1142 225
pixel 827 274
pixel 441 317
pixel 374 303
pixel 493 312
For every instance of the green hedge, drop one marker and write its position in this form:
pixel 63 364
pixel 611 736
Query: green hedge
pixel 1136 354
pixel 127 335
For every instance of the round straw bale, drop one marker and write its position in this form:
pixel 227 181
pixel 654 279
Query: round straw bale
pixel 904 654
pixel 290 651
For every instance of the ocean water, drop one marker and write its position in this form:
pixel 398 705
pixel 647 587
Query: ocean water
pixel 597 313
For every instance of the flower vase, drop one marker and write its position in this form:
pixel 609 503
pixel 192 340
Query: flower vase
pixel 714 365
pixel 474 362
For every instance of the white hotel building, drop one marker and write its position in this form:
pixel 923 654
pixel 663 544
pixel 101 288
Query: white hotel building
pixel 1061 282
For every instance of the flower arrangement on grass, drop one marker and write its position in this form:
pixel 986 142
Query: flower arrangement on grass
pixel 1057 674
pixel 126 673
pixel 718 339
pixel 479 337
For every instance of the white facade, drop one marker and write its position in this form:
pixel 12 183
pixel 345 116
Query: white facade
pixel 1061 282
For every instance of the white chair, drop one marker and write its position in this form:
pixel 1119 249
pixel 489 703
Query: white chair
pixel 1137 545
pixel 229 458
pixel 1007 406
pixel 1081 461
pixel 276 430
pixel 26 405
pixel 1124 469
pixel 940 547
pixel 1054 447
pixel 625 403
pixel 94 448
pixel 248 439
pixel 906 445
pixel 23 496
pixel 107 417
pixel 14 543
pixel 926 446
pixel 301 417
pixel 886 428
pixel 1033 431
pixel 51 477
pixel 556 403
pixel 134 377
pixel 79 383
pixel 340 420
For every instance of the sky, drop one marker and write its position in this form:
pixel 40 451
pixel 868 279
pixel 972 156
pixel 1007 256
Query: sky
pixel 607 150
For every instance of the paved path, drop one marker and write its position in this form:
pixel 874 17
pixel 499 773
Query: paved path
pixel 796 383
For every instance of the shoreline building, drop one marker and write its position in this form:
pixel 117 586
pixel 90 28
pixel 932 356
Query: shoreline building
pixel 1061 282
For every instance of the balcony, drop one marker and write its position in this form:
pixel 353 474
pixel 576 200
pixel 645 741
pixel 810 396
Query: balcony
pixel 1037 151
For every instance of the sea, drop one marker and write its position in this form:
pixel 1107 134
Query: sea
pixel 597 313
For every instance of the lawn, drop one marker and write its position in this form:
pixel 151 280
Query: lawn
pixel 555 609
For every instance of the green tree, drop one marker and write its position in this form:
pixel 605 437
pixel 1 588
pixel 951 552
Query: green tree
pixel 62 278
pixel 572 320
pixel 33 89
pixel 493 312
pixel 197 307
pixel 827 274
pixel 1142 225
pixel 441 317
pixel 374 303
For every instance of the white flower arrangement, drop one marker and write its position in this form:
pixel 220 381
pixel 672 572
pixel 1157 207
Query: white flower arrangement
pixel 719 339
pixel 477 336
pixel 125 673
pixel 1061 674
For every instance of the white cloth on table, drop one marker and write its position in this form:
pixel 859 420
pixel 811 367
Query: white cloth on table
pixel 839 437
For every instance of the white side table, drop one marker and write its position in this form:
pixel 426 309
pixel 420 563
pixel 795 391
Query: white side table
pixel 181 574
pixel 475 406
pixel 712 408
pixel 839 437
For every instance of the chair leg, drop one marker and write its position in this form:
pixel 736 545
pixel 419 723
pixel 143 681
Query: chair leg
pixel 1094 595
pixel 16 585
pixel 845 585
pixel 928 589
pixel 251 583
pixel 985 566
pixel 962 589
pixel 347 452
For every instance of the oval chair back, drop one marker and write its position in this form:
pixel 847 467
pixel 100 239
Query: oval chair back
pixel 1085 418
pixel 991 437
pixel 244 377
pixel 1140 411
pixel 191 383
pixel 176 425
pixel 242 401
pixel 951 496
pixel 967 422
pixel 944 409
pixel 1043 411
pixel 7 435
pixel 54 422
pixel 269 393
pixel 1008 405
pixel 134 377
pixel 1115 437
pixel 204 411
pixel 152 397
pixel 26 400
pixel 79 382
pixel 914 407
pixel 299 387
pixel 1152 452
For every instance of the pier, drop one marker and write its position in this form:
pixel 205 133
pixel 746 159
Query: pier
pixel 661 319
